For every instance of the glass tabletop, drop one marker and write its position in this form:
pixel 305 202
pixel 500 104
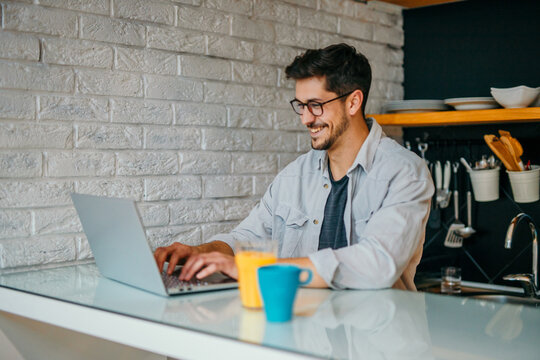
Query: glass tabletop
pixel 327 324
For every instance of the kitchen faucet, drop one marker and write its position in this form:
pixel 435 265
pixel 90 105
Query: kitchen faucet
pixel 528 282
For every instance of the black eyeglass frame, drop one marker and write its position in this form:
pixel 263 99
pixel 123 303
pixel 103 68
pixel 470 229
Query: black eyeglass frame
pixel 310 103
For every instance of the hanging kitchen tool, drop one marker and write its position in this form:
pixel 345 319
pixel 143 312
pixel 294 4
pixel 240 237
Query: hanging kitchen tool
pixel 422 147
pixel 500 150
pixel 434 220
pixel 514 147
pixel 453 240
pixel 468 231
pixel 438 182
pixel 446 185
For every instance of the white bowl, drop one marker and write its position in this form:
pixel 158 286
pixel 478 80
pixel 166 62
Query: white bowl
pixel 515 97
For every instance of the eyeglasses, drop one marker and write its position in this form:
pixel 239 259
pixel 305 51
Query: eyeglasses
pixel 314 107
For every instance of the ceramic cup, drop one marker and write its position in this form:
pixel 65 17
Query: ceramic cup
pixel 278 285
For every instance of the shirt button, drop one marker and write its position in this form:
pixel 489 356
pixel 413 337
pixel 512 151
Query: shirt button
pixel 315 221
pixel 325 186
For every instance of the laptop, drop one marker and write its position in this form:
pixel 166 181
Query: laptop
pixel 116 236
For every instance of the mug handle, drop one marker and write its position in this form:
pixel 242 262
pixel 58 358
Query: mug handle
pixel 308 280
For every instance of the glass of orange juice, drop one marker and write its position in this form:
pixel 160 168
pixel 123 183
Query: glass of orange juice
pixel 249 256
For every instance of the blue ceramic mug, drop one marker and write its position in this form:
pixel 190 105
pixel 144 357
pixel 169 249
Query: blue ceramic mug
pixel 278 285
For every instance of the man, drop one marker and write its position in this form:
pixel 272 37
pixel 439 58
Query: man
pixel 353 209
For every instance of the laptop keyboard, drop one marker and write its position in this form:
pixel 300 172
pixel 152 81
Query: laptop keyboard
pixel 173 283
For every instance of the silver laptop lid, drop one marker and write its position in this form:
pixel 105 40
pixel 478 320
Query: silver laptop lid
pixel 118 242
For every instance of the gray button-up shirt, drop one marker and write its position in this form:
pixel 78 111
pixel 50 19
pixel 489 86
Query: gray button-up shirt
pixel 388 201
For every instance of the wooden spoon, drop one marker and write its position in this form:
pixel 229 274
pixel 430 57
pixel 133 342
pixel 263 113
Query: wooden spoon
pixel 502 152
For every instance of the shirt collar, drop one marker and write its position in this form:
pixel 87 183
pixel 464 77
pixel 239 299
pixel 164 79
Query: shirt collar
pixel 365 156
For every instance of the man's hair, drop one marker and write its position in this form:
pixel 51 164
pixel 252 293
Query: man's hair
pixel 345 69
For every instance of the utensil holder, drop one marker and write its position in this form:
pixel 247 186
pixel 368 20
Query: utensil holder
pixel 525 184
pixel 485 184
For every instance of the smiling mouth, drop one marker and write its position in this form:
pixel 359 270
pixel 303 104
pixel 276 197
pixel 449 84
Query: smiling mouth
pixel 316 130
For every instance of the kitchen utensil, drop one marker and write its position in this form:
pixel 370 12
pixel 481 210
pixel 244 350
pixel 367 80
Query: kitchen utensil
pixel 446 185
pixel 493 162
pixel 513 146
pixel 467 231
pixel 482 163
pixel 434 220
pixel 466 164
pixel 453 240
pixel 500 150
pixel 438 181
pixel 422 147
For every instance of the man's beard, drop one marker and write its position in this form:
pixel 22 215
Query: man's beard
pixel 341 127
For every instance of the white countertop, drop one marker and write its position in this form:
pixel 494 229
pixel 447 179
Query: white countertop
pixel 327 324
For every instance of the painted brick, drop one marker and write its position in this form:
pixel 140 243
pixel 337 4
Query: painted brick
pixel 203 20
pixel 145 10
pixel 147 163
pixel 112 187
pixel 153 214
pixel 77 52
pixel 167 188
pixel 112 30
pixel 173 138
pixel 304 142
pixel 261 183
pixel 109 83
pixel 386 90
pixel 209 230
pixel 173 88
pixel 385 7
pixel 176 40
pixel 288 120
pixel 286 159
pixel 236 6
pixel 272 97
pixel 205 163
pixel 36 77
pixel 37 251
pixel 254 163
pixel 340 7
pixel 305 3
pixel 230 48
pixel 109 137
pixel 394 56
pixel 275 11
pixel 164 236
pixel 61 164
pixel 226 139
pixel 374 52
pixel 56 221
pixel 252 29
pixel 82 248
pixel 141 112
pixel 387 72
pixel 317 20
pixel 18 46
pixel 294 36
pixel 188 2
pixel 389 35
pixel 254 74
pixel 63 108
pixel 257 118
pixel 230 94
pixel 32 18
pixel 327 39
pixel 200 114
pixel 17 106
pixel 196 212
pixel 227 186
pixel 205 67
pixel 238 209
pixel 35 136
pixel 275 54
pixel 356 29
pixel 147 61
pixel 94 6
pixel 28 193
pixel 20 164
pixel 274 141
pixel 283 81
pixel 366 13
pixel 15 223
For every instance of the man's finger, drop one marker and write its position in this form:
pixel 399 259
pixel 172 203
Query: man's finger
pixel 209 270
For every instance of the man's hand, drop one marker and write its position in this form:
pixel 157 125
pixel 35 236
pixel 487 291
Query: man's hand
pixel 208 263
pixel 173 254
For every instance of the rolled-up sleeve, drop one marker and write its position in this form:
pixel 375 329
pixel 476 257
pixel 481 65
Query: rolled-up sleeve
pixel 390 238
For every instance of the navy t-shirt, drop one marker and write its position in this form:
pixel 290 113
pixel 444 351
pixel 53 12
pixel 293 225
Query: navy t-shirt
pixel 333 233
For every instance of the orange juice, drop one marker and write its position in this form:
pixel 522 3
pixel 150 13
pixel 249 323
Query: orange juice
pixel 248 262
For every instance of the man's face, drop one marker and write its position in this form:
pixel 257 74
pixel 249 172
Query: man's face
pixel 326 129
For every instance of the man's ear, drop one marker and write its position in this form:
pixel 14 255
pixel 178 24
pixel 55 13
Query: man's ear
pixel 355 102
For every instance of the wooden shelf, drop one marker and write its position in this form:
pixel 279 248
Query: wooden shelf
pixel 465 117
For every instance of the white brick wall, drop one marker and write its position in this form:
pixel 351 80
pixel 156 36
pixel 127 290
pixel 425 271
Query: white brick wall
pixel 181 105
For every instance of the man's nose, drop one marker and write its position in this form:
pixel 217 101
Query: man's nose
pixel 307 117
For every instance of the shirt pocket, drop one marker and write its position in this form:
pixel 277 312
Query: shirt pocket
pixel 290 225
pixel 360 225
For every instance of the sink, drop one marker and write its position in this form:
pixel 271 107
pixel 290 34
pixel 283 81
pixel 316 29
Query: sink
pixel 481 291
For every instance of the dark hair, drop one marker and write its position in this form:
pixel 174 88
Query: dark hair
pixel 345 69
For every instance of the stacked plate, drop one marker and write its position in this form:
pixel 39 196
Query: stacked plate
pixel 472 103
pixel 414 106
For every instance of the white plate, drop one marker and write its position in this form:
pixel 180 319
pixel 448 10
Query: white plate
pixel 413 106
pixel 472 103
